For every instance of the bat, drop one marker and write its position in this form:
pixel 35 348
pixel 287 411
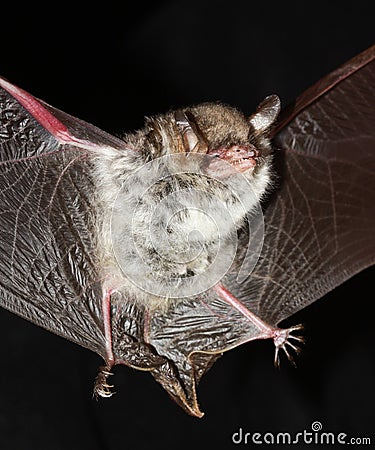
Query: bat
pixel 202 231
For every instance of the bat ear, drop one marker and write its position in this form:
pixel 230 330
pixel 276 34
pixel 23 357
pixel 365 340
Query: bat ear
pixel 192 138
pixel 265 114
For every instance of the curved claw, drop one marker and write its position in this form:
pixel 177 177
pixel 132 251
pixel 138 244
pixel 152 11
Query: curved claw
pixel 103 392
pixel 101 387
pixel 282 339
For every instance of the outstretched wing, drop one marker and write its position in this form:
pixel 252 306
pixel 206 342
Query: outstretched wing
pixel 320 221
pixel 47 269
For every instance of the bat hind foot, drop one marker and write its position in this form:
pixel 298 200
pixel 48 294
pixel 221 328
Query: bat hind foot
pixel 101 387
pixel 282 340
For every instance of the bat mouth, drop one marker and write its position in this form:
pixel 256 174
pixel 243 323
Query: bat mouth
pixel 242 157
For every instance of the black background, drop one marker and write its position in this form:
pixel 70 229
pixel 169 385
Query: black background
pixel 112 65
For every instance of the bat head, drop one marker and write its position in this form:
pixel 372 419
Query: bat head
pixel 233 142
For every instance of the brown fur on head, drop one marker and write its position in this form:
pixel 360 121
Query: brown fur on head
pixel 214 126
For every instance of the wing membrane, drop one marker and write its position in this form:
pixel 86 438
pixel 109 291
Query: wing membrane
pixel 48 273
pixel 320 221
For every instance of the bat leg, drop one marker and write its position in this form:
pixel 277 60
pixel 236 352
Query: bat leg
pixel 281 337
pixel 101 387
